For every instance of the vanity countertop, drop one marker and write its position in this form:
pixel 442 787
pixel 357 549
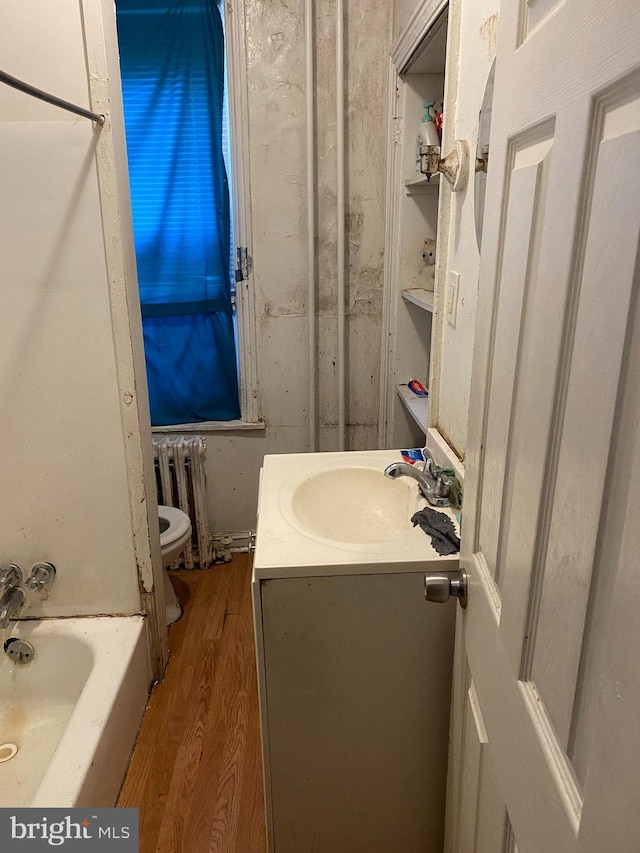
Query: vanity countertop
pixel 336 513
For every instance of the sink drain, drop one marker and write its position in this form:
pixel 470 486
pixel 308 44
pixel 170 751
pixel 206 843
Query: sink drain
pixel 7 751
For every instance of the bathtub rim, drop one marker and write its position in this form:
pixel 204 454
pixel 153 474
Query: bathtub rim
pixel 120 679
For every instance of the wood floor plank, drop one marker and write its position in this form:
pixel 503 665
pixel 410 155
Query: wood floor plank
pixel 225 739
pixel 243 766
pixel 238 601
pixel 210 606
pixel 163 730
pixel 251 825
pixel 196 772
pixel 168 702
pixel 164 695
pixel 138 778
pixel 182 787
pixel 226 815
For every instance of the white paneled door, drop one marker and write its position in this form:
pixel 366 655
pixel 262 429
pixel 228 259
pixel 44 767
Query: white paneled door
pixel 546 734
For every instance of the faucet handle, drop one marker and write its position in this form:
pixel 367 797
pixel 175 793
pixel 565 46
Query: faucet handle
pixel 429 464
pixel 10 575
pixel 441 486
pixel 41 575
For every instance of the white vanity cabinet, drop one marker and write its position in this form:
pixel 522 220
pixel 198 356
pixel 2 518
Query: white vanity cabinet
pixel 354 671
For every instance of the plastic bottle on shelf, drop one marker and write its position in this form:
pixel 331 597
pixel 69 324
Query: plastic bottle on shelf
pixel 427 133
pixel 438 117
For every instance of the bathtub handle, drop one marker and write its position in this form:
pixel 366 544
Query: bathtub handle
pixel 10 575
pixel 41 575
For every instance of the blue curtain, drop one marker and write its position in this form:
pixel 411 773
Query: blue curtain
pixel 172 63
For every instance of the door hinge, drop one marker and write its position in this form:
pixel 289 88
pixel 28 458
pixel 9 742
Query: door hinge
pixel 482 162
pixel 244 264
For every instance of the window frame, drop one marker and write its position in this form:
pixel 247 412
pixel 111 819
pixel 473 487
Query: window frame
pixel 237 92
pixel 236 60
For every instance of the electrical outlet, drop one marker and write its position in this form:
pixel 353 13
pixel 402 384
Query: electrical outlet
pixel 453 287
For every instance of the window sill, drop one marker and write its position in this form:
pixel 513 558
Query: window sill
pixel 209 426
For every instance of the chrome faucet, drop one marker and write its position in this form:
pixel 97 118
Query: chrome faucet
pixel 433 486
pixel 11 595
pixel 10 604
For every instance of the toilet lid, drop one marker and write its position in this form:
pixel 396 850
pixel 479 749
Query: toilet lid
pixel 179 524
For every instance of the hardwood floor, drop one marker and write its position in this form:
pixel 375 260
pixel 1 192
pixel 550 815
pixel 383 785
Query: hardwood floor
pixel 196 771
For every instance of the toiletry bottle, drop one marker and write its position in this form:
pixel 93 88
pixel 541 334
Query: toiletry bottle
pixel 438 117
pixel 427 133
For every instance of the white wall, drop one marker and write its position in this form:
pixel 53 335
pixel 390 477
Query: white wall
pixel 276 89
pixel 71 435
pixel 472 46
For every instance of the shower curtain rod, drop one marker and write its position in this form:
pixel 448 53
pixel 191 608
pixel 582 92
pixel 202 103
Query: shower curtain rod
pixel 50 99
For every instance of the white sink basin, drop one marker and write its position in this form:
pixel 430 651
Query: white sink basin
pixel 354 504
pixel 323 512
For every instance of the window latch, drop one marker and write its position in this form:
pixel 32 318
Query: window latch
pixel 243 263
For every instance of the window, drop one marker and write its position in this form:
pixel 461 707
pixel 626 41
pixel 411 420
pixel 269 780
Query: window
pixel 172 62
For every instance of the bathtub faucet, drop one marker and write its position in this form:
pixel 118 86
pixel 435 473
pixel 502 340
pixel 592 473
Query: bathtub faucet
pixel 10 604
pixel 433 486
pixel 12 596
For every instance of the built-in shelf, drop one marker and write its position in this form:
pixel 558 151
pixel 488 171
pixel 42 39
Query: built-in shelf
pixel 418 296
pixel 420 184
pixel 418 407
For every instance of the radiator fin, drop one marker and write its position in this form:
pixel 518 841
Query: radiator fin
pixel 181 482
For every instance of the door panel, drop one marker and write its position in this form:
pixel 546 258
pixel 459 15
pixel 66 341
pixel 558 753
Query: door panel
pixel 482 821
pixel 609 744
pixel 533 12
pixel 490 813
pixel 552 652
pixel 549 510
pixel 525 197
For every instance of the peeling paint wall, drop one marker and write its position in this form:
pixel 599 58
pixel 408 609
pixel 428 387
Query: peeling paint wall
pixel 276 83
pixel 472 47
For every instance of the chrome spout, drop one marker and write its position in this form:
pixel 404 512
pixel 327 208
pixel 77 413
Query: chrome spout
pixel 10 604
pixel 433 486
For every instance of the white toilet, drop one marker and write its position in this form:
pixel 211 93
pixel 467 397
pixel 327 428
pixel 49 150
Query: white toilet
pixel 175 530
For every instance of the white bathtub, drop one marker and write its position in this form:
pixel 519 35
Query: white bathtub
pixel 73 711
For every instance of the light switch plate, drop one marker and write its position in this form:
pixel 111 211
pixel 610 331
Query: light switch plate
pixel 453 287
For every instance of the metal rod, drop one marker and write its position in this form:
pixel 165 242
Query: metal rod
pixel 311 223
pixel 341 236
pixel 50 99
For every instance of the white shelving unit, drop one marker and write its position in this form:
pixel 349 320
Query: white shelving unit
pixel 418 407
pixel 421 298
pixel 414 219
pixel 421 184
